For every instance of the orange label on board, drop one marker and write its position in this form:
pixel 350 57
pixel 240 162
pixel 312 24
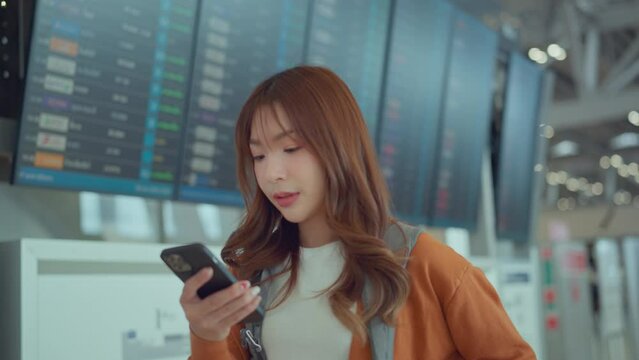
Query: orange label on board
pixel 64 46
pixel 49 160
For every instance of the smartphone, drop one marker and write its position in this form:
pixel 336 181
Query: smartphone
pixel 185 261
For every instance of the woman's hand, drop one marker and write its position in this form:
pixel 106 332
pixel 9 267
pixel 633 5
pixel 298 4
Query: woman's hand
pixel 212 318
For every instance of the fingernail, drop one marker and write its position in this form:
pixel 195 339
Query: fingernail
pixel 245 284
pixel 255 290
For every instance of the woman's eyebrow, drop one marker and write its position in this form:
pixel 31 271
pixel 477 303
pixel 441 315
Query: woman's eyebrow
pixel 278 137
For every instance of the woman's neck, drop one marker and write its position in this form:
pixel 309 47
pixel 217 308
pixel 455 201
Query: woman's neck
pixel 315 232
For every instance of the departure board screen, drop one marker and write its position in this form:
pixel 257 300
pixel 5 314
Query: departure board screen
pixel 105 95
pixel 231 59
pixel 142 97
pixel 518 150
pixel 412 103
pixel 349 37
pixel 465 123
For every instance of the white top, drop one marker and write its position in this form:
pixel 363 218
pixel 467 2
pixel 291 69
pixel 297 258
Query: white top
pixel 304 327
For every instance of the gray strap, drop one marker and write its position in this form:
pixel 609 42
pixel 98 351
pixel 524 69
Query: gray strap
pixel 255 347
pixel 382 336
pixel 249 336
pixel 394 237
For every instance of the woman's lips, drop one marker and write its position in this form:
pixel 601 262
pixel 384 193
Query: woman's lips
pixel 285 199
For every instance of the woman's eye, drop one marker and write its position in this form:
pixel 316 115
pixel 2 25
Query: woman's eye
pixel 258 157
pixel 292 149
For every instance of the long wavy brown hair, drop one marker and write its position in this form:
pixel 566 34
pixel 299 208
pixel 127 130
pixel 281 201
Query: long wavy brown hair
pixel 326 119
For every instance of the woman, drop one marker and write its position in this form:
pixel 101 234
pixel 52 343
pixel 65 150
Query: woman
pixel 318 211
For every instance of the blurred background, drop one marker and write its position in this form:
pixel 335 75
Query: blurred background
pixel 509 129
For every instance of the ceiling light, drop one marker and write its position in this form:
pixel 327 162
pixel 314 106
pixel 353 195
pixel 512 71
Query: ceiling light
pixel 604 162
pixel 537 56
pixel 562 55
pixel 562 177
pixel 597 188
pixel 556 51
pixel 543 58
pixel 633 117
pixel 586 188
pixel 623 171
pixel 549 132
pixel 565 148
pixel 562 204
pixel 624 141
pixel 588 192
pixel 572 184
pixel 622 197
pixel 534 54
pixel 616 161
pixel 565 204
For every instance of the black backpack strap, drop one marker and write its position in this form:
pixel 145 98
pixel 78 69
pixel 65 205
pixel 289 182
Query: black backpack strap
pixel 382 336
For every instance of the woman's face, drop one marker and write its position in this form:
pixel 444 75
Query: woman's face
pixel 288 174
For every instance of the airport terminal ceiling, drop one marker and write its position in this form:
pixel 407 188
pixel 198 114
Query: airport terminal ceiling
pixel 596 94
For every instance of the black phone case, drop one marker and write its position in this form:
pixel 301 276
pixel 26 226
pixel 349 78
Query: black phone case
pixel 197 256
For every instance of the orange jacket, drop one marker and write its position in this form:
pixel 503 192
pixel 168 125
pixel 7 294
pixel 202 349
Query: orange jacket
pixel 452 312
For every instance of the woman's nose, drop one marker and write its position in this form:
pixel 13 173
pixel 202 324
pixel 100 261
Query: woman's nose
pixel 276 169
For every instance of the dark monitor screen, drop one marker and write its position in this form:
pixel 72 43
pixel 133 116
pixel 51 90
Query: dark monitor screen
pixel 105 95
pixel 412 103
pixel 465 123
pixel 518 150
pixel 15 26
pixel 231 58
pixel 349 37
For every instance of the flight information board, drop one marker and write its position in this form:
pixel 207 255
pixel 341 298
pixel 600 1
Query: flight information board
pixel 141 98
pixel 465 123
pixel 518 150
pixel 412 103
pixel 231 59
pixel 105 96
pixel 349 37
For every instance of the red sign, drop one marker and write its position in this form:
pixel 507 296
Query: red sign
pixel 552 321
pixel 550 295
pixel 574 262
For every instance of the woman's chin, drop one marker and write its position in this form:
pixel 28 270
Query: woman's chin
pixel 291 216
pixel 291 219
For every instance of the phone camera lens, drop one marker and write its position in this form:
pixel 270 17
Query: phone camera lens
pixel 177 263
